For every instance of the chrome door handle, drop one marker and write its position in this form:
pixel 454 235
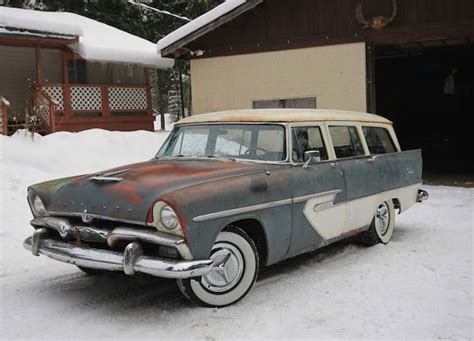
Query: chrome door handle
pixel 371 159
pixel 334 164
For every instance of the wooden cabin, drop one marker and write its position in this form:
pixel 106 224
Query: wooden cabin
pixel 408 60
pixel 73 73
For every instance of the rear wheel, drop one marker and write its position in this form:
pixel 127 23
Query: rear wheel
pixel 381 228
pixel 234 272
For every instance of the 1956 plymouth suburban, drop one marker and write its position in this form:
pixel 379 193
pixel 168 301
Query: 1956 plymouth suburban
pixel 228 193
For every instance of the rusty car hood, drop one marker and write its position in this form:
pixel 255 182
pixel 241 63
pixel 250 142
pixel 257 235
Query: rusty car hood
pixel 135 187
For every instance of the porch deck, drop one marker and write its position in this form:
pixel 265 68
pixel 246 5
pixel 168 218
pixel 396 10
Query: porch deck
pixel 76 107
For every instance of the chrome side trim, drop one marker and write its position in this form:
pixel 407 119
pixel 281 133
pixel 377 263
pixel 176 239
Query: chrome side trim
pixel 271 204
pixel 234 211
pixel 99 178
pixel 112 236
pixel 116 261
pixel 315 195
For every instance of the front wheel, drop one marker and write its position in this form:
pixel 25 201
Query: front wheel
pixel 381 228
pixel 234 272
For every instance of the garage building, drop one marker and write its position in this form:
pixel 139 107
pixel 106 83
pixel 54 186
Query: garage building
pixel 411 61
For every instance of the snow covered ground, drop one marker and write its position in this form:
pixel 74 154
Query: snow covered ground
pixel 418 286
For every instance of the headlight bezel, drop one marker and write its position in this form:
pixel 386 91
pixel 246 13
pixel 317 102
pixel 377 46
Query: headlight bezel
pixel 168 217
pixel 156 219
pixel 37 207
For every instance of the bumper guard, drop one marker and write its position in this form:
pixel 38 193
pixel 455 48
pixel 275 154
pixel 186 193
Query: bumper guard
pixel 130 261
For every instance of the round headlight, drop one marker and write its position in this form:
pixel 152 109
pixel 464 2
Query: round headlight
pixel 168 217
pixel 38 206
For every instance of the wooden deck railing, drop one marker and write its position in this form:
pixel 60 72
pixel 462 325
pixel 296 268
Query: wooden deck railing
pixel 4 106
pixel 45 107
pixel 102 99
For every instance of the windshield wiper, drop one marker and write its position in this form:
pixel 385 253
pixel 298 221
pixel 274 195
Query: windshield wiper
pixel 220 157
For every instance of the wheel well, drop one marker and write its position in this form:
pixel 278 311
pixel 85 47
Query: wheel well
pixel 254 229
pixel 397 205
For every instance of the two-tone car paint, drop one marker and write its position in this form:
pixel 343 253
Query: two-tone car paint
pixel 296 209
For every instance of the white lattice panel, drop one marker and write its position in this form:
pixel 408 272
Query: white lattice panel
pixel 86 98
pixel 56 94
pixel 42 109
pixel 123 98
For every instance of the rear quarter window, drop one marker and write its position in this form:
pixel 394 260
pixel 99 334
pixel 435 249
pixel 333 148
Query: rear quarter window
pixel 346 141
pixel 378 140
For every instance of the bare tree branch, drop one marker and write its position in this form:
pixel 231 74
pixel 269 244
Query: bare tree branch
pixel 158 10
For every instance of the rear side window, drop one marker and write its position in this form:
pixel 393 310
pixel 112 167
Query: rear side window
pixel 378 140
pixel 306 139
pixel 346 141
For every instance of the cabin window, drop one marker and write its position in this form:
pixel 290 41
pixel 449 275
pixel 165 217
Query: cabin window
pixel 378 140
pixel 77 69
pixel 346 141
pixel 307 139
pixel 299 103
pixel 52 71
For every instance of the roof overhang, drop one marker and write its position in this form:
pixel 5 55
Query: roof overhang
pixel 173 45
pixel 22 34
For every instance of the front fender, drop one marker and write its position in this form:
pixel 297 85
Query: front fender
pixel 249 193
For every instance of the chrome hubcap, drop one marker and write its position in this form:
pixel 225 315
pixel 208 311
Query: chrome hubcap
pixel 227 270
pixel 382 218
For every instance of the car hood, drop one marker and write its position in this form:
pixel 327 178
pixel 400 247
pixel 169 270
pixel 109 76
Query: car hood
pixel 136 187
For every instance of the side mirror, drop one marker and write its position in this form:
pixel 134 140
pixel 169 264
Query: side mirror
pixel 311 156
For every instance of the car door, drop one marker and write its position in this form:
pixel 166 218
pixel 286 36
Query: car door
pixel 362 174
pixel 318 192
pixel 397 168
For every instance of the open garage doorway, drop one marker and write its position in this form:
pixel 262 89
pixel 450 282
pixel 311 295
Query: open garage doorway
pixel 427 90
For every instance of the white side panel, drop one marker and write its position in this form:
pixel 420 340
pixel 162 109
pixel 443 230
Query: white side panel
pixel 324 217
pixel 331 221
pixel 360 212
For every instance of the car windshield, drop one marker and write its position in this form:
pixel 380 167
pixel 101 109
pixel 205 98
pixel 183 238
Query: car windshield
pixel 261 142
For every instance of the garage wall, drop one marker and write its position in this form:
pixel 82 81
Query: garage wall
pixel 335 75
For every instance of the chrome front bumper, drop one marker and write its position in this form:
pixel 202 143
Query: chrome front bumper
pixel 130 261
pixel 422 195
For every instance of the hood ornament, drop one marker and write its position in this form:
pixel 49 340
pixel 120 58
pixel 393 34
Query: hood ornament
pixel 86 217
pixel 108 176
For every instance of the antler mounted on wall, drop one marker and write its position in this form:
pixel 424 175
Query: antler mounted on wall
pixel 376 22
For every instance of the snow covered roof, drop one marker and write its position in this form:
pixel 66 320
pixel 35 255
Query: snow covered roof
pixel 202 21
pixel 96 41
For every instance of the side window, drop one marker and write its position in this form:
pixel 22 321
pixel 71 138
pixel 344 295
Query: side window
pixel 305 139
pixel 346 141
pixel 378 140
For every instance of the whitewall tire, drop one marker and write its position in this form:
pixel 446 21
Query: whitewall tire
pixel 382 226
pixel 234 273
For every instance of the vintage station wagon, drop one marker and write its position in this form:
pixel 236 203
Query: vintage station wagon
pixel 228 193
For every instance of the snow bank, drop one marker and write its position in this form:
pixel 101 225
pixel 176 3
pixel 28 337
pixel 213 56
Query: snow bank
pixel 419 286
pixel 97 41
pixel 198 23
